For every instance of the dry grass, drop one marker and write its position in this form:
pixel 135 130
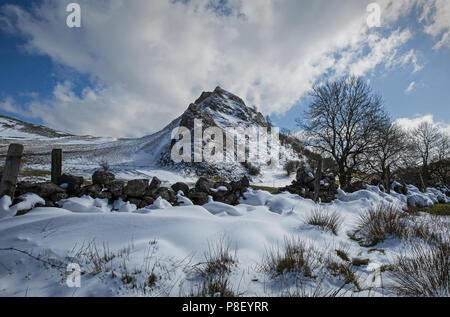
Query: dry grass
pixel 343 255
pixel 217 285
pixel 214 272
pixel 327 221
pixel 422 273
pixel 344 271
pixel 376 224
pixel 294 257
pixel 219 259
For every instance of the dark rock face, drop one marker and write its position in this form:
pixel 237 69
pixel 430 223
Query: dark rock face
pixel 218 193
pixel 58 196
pixel 155 184
pixel 137 191
pixel 116 188
pixel 303 185
pixel 181 186
pixel 103 178
pixel 214 109
pixel 73 183
pixel 204 185
pixel 136 188
pixel 105 195
pixel 401 189
pixel 148 200
pixel 354 187
pixel 198 198
pixel 166 193
pixel 231 199
pixel 44 190
pixel 140 203
pixel 91 190
pixel 305 176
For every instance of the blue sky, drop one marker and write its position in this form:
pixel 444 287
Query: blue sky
pixel 134 66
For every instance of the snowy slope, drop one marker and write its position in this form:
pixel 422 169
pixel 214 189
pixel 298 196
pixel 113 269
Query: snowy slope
pixel 149 155
pixel 170 242
pixel 11 128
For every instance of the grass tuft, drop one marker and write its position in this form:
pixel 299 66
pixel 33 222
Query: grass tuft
pixel 215 271
pixel 424 272
pixel 343 255
pixel 295 257
pixel 376 224
pixel 325 220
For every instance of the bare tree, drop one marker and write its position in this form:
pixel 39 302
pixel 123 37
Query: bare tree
pixel 440 167
pixel 425 139
pixel 342 121
pixel 385 156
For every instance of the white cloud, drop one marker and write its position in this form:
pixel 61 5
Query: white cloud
pixel 149 59
pixel 411 87
pixel 412 123
pixel 436 15
pixel 9 105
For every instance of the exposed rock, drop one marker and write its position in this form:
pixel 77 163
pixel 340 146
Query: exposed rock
pixel 103 178
pixel 167 194
pixel 91 190
pixel 230 199
pixel 198 198
pixel 148 200
pixel 51 204
pixel 55 197
pixel 355 186
pixel 116 188
pixel 44 190
pixel 73 183
pixel 244 183
pixel 304 186
pixel 401 189
pixel 155 184
pixel 105 195
pixel 305 176
pixel 181 186
pixel 140 203
pixel 203 185
pixel 241 186
pixel 136 188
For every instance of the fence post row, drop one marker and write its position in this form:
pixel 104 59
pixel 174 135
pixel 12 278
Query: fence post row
pixel 56 165
pixel 11 170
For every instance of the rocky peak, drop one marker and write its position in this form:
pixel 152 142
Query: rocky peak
pixel 223 109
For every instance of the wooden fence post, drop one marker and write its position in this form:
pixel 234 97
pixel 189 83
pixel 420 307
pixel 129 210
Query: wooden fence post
pixel 423 189
pixel 317 178
pixel 387 180
pixel 56 165
pixel 11 170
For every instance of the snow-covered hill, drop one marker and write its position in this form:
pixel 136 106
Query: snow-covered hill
pixel 151 155
pixel 14 129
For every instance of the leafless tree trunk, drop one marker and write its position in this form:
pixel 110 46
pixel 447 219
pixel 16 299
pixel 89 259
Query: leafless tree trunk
pixel 317 178
pixel 341 123
pixel 425 141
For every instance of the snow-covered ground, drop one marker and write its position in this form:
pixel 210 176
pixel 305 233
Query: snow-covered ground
pixel 157 251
